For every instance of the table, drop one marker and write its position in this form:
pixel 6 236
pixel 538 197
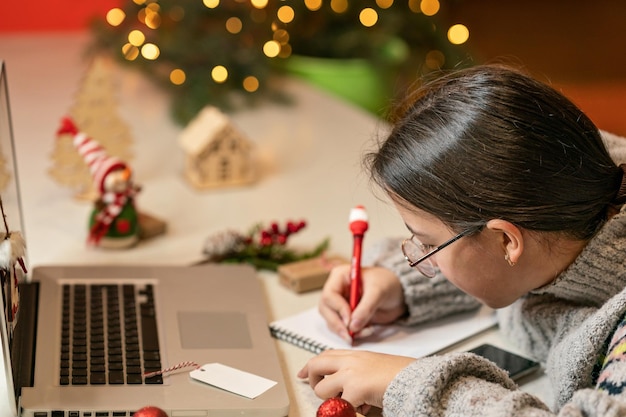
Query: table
pixel 310 153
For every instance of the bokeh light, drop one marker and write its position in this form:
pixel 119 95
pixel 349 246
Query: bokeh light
pixel 251 84
pixel 259 4
pixel 115 16
pixel 313 5
pixel 285 14
pixel 150 51
pixel 177 76
pixel 136 37
pixel 271 48
pixel 368 17
pixel 339 6
pixel 130 52
pixel 234 25
pixel 429 7
pixel 458 34
pixel 219 74
pixel 281 36
pixel 211 4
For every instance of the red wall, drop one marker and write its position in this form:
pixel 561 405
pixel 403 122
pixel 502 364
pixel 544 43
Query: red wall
pixel 51 15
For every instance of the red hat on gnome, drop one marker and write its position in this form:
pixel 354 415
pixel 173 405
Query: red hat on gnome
pixel 99 162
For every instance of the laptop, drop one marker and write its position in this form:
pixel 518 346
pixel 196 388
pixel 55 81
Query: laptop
pixel 92 341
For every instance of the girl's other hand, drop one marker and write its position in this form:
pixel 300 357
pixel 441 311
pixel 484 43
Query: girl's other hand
pixel 359 377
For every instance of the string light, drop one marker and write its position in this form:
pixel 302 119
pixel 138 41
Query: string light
pixel 368 17
pixel 130 52
pixel 339 6
pixel 211 4
pixel 219 74
pixel 271 48
pixel 178 76
pixel 136 38
pixel 458 34
pixel 313 5
pixel 150 51
pixel 115 16
pixel 234 25
pixel 415 6
pixel 259 4
pixel 429 7
pixel 251 84
pixel 285 14
pixel 247 19
pixel 281 36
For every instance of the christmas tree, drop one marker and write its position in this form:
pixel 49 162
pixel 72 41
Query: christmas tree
pixel 214 52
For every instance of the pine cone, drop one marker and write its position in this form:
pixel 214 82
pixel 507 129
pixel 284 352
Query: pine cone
pixel 221 244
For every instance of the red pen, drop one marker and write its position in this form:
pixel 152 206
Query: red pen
pixel 358 226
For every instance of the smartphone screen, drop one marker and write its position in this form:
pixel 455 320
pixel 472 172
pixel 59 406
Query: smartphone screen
pixel 517 366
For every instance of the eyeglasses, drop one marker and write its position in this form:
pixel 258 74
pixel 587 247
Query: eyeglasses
pixel 417 254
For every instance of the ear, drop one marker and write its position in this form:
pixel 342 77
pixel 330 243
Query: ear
pixel 511 239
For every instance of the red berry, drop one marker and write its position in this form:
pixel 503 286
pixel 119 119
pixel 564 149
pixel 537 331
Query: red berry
pixel 336 407
pixel 150 411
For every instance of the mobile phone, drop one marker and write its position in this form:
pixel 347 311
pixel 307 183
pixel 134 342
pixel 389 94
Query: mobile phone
pixel 516 365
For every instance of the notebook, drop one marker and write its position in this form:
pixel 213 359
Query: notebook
pixel 308 330
pixel 58 360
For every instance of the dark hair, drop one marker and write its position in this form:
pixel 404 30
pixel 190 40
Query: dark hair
pixel 490 142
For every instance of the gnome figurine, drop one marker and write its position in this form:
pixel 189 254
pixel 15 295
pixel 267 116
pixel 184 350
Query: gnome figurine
pixel 114 221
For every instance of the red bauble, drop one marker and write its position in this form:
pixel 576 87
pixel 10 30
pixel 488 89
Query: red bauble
pixel 336 407
pixel 150 411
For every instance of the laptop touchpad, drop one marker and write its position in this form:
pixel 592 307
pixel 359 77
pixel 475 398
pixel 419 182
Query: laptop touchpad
pixel 213 330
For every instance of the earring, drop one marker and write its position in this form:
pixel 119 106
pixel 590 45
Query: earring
pixel 508 259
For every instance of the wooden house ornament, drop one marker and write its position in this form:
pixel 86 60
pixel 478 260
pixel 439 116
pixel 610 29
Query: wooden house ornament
pixel 217 154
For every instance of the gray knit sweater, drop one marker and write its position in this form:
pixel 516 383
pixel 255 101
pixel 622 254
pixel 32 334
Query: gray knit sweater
pixel 564 325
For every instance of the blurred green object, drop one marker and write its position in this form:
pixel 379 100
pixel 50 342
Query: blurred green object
pixel 355 80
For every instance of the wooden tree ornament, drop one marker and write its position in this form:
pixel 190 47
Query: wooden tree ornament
pixel 95 112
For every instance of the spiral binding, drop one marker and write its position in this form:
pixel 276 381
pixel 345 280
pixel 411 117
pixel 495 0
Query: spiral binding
pixel 297 340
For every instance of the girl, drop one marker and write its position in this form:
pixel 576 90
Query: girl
pixel 509 192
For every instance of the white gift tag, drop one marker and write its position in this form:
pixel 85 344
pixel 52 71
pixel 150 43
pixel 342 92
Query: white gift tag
pixel 233 380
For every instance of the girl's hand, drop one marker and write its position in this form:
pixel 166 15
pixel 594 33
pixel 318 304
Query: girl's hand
pixel 359 377
pixel 382 300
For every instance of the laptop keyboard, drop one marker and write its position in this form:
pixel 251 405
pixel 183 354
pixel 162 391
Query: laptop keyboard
pixel 109 335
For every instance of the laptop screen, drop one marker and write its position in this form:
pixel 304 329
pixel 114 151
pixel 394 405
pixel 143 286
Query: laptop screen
pixel 11 210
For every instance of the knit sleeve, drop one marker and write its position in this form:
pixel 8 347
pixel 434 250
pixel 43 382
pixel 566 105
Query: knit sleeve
pixel 464 384
pixel 457 384
pixel 426 298
pixel 616 146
